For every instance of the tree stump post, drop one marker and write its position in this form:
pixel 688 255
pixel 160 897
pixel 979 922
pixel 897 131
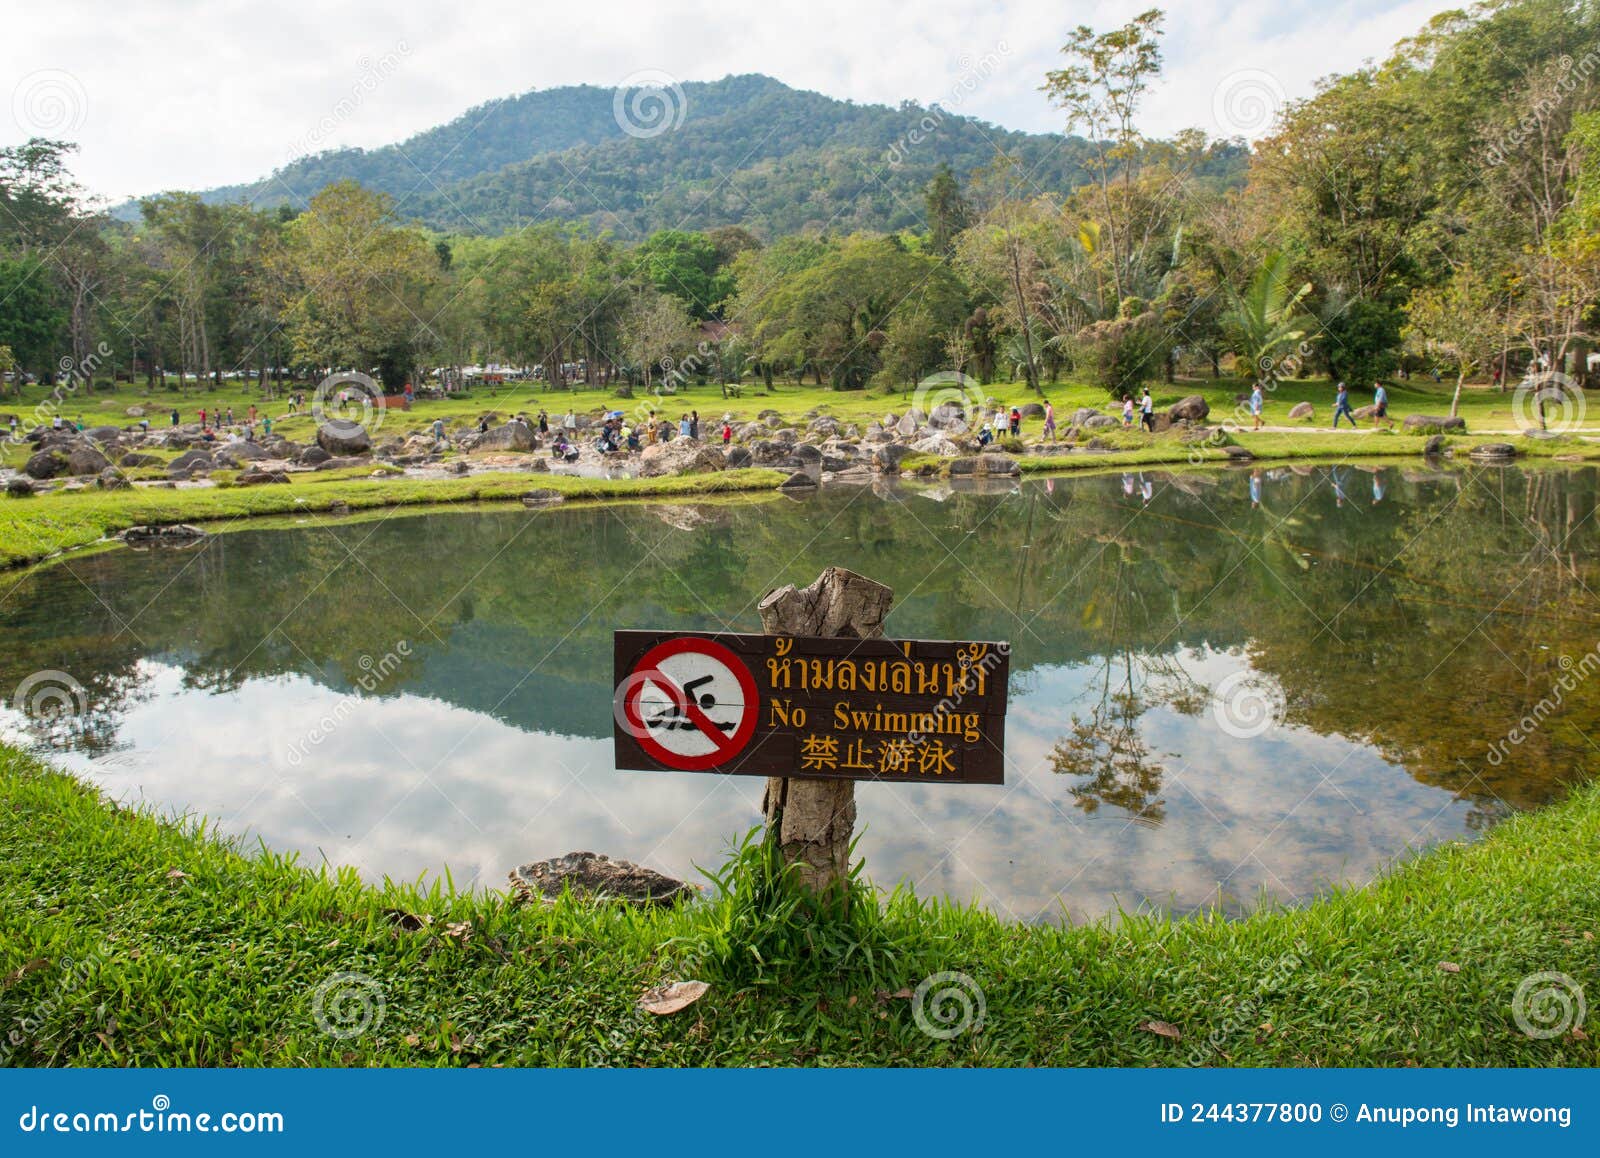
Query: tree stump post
pixel 814 820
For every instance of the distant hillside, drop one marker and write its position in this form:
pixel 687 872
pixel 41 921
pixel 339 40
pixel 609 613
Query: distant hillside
pixel 750 151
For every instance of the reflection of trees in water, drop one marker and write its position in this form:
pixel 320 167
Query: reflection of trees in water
pixel 1103 747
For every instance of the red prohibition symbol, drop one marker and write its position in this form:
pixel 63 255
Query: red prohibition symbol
pixel 690 703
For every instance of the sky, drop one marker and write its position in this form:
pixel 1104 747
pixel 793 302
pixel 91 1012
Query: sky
pixel 189 94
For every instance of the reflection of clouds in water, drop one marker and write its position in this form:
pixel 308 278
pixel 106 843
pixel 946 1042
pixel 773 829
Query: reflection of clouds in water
pixel 1249 814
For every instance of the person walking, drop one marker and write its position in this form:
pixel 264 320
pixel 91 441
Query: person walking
pixel 694 424
pixel 1257 400
pixel 174 416
pixel 1049 422
pixel 1380 405
pixel 1341 405
pixel 438 433
pixel 1147 411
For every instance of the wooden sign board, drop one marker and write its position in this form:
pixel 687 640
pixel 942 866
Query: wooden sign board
pixel 923 711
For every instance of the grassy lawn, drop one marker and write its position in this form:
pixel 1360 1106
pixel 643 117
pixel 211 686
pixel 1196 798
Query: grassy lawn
pixel 130 940
pixel 33 528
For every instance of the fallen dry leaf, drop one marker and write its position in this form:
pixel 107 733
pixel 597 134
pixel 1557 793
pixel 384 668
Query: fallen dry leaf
pixel 410 922
pixel 177 875
pixel 413 1039
pixel 662 1000
pixel 1578 1033
pixel 1449 967
pixel 1162 1028
pixel 16 975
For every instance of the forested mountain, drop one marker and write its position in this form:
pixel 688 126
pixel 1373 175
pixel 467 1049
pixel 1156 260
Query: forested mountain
pixel 749 151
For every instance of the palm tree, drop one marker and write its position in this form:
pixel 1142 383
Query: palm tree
pixel 1267 318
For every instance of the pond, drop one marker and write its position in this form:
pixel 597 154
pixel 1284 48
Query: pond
pixel 1224 686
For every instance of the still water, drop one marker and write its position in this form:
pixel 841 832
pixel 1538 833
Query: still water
pixel 1224 686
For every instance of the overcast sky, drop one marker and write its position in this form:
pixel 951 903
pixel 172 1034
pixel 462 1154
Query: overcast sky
pixel 164 94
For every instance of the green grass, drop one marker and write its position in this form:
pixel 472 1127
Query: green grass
pixel 35 528
pixel 131 940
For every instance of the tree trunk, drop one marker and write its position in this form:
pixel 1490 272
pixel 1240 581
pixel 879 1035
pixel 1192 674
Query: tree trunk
pixel 814 820
pixel 1455 399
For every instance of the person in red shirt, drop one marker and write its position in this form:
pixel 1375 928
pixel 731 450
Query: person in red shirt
pixel 727 433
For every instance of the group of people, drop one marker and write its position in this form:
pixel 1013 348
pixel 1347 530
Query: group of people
pixel 219 420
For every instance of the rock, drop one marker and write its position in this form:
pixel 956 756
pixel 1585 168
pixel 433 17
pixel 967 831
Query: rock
pixel 1193 408
pixel 1033 410
pixel 538 466
pixel 343 438
pixel 338 507
pixel 1238 453
pixel 104 433
pixel 949 415
pixel 86 460
pixel 1434 445
pixel 134 459
pixel 134 412
pixel 112 479
pixel 1083 414
pixel 909 424
pixel 1100 421
pixel 543 497
pixel 805 455
pixel 1431 422
pixel 739 457
pixel 313 456
pixel 511 436
pixel 18 487
pixel 248 451
pixel 938 444
pixel 175 533
pixel 796 481
pixel 46 464
pixel 985 465
pixel 785 435
pixel 596 878
pixel 1494 450
pixel 681 456
pixel 191 460
pixel 887 458
pixel 1303 410
pixel 1364 411
pixel 255 476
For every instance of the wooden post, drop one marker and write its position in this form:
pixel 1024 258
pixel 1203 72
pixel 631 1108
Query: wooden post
pixel 814 820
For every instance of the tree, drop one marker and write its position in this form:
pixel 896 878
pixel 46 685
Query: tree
pixel 655 328
pixel 357 286
pixel 1268 318
pixel 1100 88
pixel 1462 321
pixel 948 211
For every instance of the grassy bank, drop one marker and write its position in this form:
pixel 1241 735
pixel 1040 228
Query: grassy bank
pixel 126 940
pixel 34 528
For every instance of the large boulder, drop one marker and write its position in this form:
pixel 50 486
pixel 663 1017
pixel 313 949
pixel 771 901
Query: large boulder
pixel 1033 410
pixel 1494 451
pixel 1303 410
pixel 739 457
pixel 191 460
pixel 910 422
pixel 112 479
pixel 681 456
pixel 513 436
pixel 46 464
pixel 1433 422
pixel 937 444
pixel 1193 409
pixel 313 456
pixel 595 878
pixel 18 487
pixel 255 476
pixel 86 460
pixel 343 438
pixel 134 459
pixel 886 459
